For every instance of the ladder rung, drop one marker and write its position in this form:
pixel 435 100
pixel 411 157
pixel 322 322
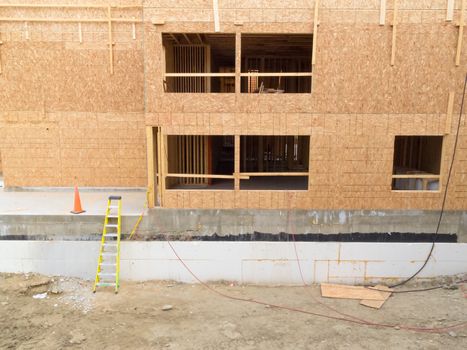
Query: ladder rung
pixel 105 284
pixel 113 206
pixel 108 264
pixel 111 235
pixel 108 254
pixel 111 225
pixel 107 274
pixel 109 244
pixel 112 216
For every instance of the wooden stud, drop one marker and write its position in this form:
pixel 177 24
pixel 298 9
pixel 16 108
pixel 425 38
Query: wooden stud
pixel 111 51
pixel 394 33
pixel 150 160
pixel 159 165
pixel 382 12
pixel 1 43
pixel 315 33
pixel 26 30
pixel 448 125
pixel 133 30
pixel 164 163
pixel 215 6
pixel 66 20
pixel 460 37
pixel 450 11
pixel 237 162
pixel 80 33
pixel 238 63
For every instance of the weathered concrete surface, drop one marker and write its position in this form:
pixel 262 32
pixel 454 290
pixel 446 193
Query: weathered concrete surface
pixel 245 262
pixel 238 221
pixel 234 222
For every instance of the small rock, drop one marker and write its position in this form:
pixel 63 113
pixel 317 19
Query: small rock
pixel 167 307
pixel 397 328
pixel 40 296
pixel 452 334
pixel 451 286
pixel 77 338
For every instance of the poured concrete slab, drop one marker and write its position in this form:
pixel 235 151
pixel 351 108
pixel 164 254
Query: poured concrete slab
pixel 60 201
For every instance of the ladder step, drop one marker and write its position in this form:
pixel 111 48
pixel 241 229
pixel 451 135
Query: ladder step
pixel 112 216
pixel 108 254
pixel 109 244
pixel 105 284
pixel 108 264
pixel 113 206
pixel 111 225
pixel 111 235
pixel 107 274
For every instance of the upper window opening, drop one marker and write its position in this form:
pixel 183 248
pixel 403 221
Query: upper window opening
pixel 199 63
pixel 276 63
pixel 417 163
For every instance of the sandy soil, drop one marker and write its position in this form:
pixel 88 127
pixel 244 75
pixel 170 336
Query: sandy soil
pixel 71 316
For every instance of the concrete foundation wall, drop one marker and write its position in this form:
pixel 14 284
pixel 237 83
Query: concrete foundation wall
pixel 185 224
pixel 243 262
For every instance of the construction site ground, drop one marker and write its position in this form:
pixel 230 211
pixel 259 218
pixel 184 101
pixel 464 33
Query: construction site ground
pixel 39 312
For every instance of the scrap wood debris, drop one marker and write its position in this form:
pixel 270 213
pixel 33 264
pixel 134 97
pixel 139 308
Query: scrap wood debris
pixel 373 297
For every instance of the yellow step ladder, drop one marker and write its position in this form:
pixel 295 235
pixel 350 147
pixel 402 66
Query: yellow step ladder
pixel 108 263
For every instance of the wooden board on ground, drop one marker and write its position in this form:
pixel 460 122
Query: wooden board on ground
pixel 351 292
pixel 377 304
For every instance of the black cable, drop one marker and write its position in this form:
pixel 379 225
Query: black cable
pixel 444 197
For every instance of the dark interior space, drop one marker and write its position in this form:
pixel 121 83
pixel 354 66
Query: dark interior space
pixel 276 53
pixel 199 53
pixel 417 155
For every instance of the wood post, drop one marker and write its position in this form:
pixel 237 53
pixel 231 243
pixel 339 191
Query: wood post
pixel 1 43
pixel 394 33
pixel 448 125
pixel 238 62
pixel 450 11
pixel 237 162
pixel 461 33
pixel 215 7
pixel 150 160
pixel 111 53
pixel 382 12
pixel 315 33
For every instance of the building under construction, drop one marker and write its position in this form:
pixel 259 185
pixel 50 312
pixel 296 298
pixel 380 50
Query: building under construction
pixel 333 108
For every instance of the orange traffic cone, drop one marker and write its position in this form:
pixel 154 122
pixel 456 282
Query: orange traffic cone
pixel 77 206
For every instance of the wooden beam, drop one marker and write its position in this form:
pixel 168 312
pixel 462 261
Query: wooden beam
pixel 187 39
pixel 199 74
pixel 215 7
pixel 416 176
pixel 205 176
pixel 237 162
pixel 69 6
pixel 111 49
pixel 159 164
pixel 80 33
pixel 302 173
pixel 164 160
pixel 460 37
pixel 1 43
pixel 315 32
pixel 200 39
pixel 150 160
pixel 448 124
pixel 281 74
pixel 175 38
pixel 394 34
pixel 450 10
pixel 238 63
pixel 382 12
pixel 66 20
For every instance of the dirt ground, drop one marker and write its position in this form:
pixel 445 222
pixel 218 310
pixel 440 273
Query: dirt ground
pixel 71 316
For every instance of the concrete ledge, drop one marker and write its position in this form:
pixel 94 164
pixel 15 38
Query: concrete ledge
pixel 243 262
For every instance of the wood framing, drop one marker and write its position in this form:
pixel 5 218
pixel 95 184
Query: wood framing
pixel 152 191
pixel 394 34
pixel 1 64
pixel 111 44
pixel 238 62
pixel 382 12
pixel 450 10
pixel 67 20
pixel 448 125
pixel 460 37
pixel 237 162
pixel 215 8
pixel 315 33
